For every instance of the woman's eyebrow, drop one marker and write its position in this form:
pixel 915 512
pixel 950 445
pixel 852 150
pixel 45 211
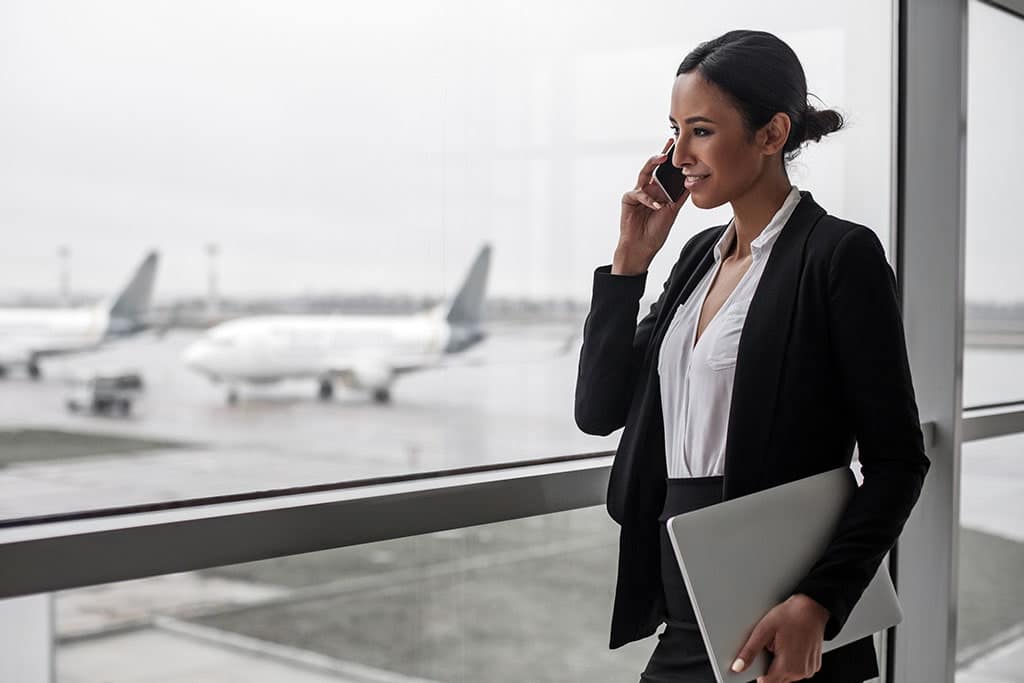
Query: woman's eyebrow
pixel 693 119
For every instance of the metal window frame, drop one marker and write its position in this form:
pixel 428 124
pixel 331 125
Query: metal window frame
pixel 986 423
pixel 1014 7
pixel 43 557
pixel 72 553
pixel 931 113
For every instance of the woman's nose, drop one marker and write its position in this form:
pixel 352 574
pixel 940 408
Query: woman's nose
pixel 681 155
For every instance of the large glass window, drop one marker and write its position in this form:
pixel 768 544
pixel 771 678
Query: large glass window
pixel 993 279
pixel 317 158
pixel 524 600
pixel 990 622
pixel 990 619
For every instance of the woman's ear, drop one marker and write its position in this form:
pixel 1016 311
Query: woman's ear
pixel 773 135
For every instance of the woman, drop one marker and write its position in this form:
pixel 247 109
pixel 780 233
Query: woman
pixel 776 344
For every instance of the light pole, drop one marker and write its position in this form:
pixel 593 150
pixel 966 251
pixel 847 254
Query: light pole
pixel 64 286
pixel 212 297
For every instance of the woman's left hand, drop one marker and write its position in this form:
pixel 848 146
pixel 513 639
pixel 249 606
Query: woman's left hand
pixel 793 631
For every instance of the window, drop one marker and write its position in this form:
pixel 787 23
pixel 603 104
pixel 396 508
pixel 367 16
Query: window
pixel 317 159
pixel 993 283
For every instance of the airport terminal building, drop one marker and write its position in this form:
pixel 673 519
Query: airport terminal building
pixel 324 430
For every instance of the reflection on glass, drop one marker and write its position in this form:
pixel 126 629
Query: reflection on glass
pixel 293 161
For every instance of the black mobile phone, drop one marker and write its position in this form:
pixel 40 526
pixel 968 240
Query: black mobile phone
pixel 669 178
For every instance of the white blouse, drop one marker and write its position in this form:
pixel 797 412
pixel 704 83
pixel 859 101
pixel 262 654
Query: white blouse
pixel 696 380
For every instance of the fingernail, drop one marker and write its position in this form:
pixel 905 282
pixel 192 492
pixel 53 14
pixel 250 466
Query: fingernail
pixel 738 665
pixel 657 205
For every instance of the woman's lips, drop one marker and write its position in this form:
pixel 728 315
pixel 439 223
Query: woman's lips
pixel 693 181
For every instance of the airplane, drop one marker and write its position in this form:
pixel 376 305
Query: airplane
pixel 363 352
pixel 30 334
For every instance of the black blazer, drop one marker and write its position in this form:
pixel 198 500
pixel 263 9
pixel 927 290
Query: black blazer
pixel 821 364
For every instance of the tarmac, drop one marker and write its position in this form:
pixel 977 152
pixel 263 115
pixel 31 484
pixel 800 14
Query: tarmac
pixel 506 401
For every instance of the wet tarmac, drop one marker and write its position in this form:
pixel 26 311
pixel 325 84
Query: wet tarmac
pixel 508 400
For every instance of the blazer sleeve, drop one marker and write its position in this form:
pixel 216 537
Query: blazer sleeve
pixel 613 349
pixel 870 354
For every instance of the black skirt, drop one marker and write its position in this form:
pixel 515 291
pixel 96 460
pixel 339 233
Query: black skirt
pixel 680 656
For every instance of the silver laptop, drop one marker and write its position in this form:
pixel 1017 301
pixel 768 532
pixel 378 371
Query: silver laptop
pixel 741 557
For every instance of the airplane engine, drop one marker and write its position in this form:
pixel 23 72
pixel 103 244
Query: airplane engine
pixel 371 376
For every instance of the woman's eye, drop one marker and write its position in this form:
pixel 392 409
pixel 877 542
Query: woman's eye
pixel 675 132
pixel 699 132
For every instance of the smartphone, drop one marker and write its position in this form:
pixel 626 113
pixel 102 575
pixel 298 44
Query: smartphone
pixel 669 178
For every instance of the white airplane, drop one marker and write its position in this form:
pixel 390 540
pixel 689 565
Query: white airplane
pixel 30 334
pixel 363 352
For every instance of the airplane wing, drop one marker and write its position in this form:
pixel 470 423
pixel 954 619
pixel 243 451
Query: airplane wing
pixel 460 361
pixel 369 372
pixel 539 351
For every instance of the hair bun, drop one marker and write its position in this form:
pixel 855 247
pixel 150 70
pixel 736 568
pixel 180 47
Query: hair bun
pixel 819 123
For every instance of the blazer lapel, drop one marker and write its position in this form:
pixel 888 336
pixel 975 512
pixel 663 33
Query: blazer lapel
pixel 679 295
pixel 761 352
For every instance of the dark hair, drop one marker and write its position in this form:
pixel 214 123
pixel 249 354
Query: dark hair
pixel 762 76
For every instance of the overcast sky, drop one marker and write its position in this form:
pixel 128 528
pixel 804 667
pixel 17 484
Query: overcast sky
pixel 345 147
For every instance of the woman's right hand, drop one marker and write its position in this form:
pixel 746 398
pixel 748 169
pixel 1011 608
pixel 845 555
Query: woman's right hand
pixel 647 218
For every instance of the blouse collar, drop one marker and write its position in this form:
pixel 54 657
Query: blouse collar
pixel 763 242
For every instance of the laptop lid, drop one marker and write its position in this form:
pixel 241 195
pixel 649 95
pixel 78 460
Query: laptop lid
pixel 742 557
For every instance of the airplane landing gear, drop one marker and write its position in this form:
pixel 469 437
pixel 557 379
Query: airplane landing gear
pixel 232 396
pixel 33 370
pixel 326 390
pixel 382 395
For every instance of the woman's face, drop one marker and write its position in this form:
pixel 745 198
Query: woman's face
pixel 721 160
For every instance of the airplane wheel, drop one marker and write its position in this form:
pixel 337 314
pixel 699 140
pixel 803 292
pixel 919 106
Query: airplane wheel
pixel 382 395
pixel 33 371
pixel 326 391
pixel 232 397
pixel 3 371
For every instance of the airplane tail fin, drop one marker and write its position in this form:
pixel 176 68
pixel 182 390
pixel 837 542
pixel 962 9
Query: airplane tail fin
pixel 466 309
pixel 129 308
pixel 467 306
